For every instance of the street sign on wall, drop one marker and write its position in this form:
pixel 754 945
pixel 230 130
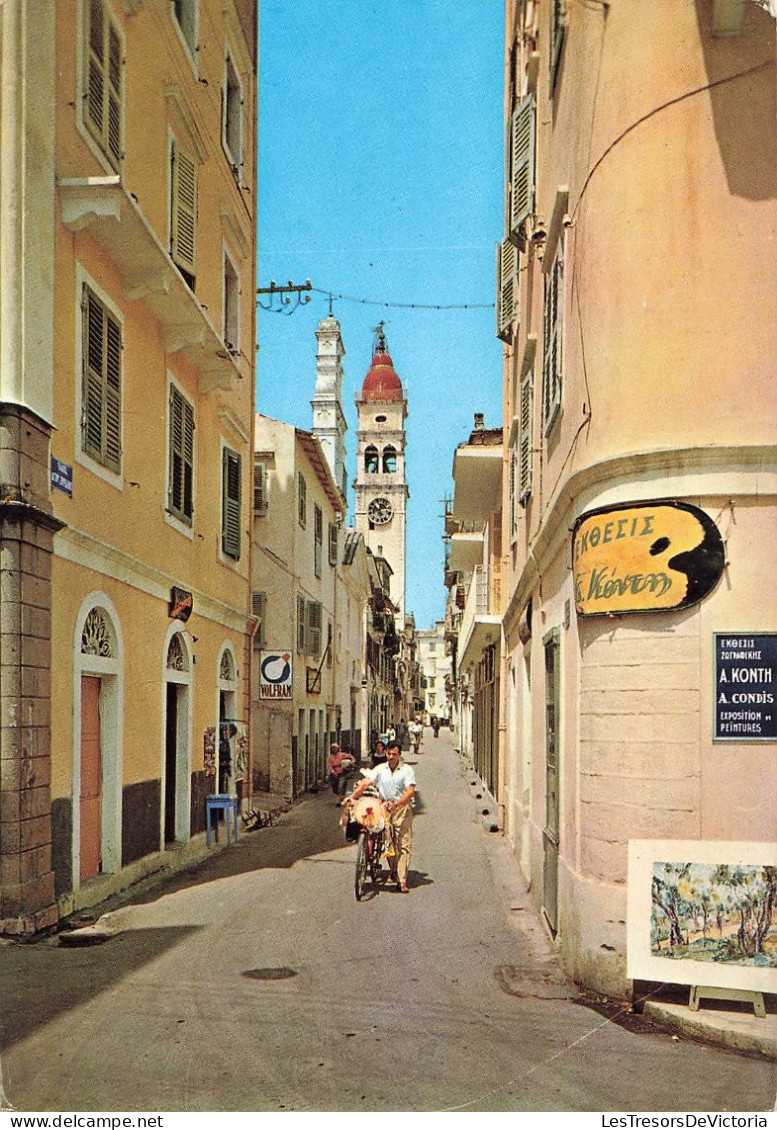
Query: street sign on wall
pixel 745 686
pixel 275 674
pixel 644 557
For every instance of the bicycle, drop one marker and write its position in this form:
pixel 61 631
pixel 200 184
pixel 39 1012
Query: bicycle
pixel 368 858
pixel 370 840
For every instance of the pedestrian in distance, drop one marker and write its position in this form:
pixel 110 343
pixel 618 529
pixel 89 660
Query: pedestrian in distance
pixel 395 782
pixel 378 753
pixel 338 763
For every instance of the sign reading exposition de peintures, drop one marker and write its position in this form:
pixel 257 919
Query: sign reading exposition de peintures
pixel 745 687
pixel 644 557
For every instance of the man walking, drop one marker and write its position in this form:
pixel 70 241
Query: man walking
pixel 395 782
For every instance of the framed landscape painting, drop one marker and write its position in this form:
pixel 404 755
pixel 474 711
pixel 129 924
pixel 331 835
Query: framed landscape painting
pixel 703 913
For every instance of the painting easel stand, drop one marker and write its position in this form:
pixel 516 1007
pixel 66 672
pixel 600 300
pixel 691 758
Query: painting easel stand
pixel 746 995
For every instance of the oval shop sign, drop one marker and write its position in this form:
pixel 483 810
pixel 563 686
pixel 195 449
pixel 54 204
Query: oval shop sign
pixel 644 557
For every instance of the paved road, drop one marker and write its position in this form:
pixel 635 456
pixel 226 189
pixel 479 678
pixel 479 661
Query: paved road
pixel 444 999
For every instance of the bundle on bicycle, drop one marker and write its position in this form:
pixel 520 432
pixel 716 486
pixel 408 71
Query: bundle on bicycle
pixel 366 823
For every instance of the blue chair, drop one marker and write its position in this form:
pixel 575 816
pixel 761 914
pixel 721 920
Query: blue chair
pixel 220 802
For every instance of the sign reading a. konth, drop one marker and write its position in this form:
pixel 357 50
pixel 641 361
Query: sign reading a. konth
pixel 745 686
pixel 644 557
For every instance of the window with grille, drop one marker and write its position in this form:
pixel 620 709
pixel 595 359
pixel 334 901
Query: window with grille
pixel 101 390
pixel 333 536
pixel 318 539
pixel 552 338
pixel 260 488
pixel 180 489
pixel 302 500
pixel 230 496
pixel 301 623
pixel 183 216
pixel 103 81
pixel 233 116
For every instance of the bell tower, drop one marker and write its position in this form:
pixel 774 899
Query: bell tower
pixel 328 417
pixel 381 483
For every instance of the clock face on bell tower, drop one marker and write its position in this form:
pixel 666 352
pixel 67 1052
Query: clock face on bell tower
pixel 380 485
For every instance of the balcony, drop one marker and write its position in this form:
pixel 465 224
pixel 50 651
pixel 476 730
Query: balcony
pixel 477 474
pixel 466 550
pixel 480 621
pixel 102 206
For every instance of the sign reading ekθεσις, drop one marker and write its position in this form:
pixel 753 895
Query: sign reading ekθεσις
pixel 644 557
pixel 745 686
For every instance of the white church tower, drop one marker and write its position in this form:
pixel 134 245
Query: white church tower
pixel 329 424
pixel 381 483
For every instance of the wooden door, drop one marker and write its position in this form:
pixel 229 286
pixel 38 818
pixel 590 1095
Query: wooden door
pixel 91 779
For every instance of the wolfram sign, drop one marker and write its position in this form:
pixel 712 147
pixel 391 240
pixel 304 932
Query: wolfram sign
pixel 644 557
pixel 275 674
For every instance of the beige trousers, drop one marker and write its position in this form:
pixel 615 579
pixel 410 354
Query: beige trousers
pixel 400 825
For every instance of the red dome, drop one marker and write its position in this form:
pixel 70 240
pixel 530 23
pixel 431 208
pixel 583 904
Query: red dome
pixel 382 383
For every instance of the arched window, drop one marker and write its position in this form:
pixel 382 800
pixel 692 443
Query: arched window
pixel 389 459
pixel 371 460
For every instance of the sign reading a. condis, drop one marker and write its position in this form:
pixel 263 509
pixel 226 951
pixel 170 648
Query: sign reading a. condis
pixel 644 557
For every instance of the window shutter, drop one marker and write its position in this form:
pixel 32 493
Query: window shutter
pixel 258 609
pixel 557 32
pixel 103 94
pixel 101 391
pixel 525 464
pixel 522 156
pixel 551 362
pixel 183 228
pixel 96 69
pixel 318 539
pixel 333 537
pixel 114 98
pixel 112 393
pixel 181 470
pixel 314 628
pixel 302 500
pixel 507 290
pixel 301 624
pixel 260 488
pixel 230 528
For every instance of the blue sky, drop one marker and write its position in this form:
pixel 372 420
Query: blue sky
pixel 380 177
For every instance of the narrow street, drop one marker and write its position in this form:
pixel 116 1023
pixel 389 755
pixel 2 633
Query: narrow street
pixel 445 999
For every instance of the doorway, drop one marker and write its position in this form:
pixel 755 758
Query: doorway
pixel 90 854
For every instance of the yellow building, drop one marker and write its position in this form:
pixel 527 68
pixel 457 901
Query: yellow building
pixel 143 130
pixel 637 288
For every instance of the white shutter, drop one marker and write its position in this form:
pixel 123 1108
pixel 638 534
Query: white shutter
pixel 522 158
pixel 507 289
pixel 183 226
pixel 526 428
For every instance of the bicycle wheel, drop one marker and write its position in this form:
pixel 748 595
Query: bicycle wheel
pixel 376 845
pixel 361 865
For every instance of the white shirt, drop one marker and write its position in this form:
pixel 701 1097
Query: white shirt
pixel 391 784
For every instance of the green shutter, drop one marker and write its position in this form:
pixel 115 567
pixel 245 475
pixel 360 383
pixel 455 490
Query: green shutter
pixel 101 391
pixel 230 525
pixel 522 157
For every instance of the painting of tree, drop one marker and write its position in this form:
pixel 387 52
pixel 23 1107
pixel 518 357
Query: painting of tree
pixel 715 913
